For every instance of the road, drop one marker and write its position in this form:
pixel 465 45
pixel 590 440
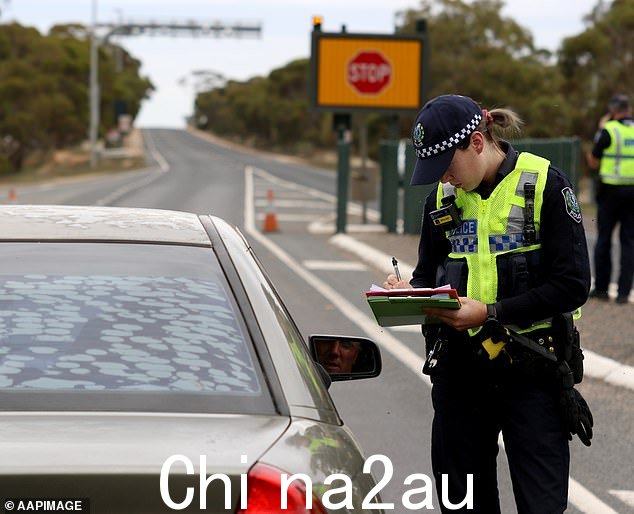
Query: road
pixel 322 287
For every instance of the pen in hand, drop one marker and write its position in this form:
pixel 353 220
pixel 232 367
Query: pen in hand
pixel 396 271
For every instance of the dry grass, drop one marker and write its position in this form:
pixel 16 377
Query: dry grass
pixel 72 162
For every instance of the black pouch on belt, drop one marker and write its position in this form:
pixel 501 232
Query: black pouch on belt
pixel 569 344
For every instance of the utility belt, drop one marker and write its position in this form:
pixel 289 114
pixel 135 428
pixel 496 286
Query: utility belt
pixel 538 354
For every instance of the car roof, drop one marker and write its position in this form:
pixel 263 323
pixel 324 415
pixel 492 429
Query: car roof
pixel 83 223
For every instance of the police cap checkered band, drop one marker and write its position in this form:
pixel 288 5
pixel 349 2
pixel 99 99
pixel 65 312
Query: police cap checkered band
pixel 423 153
pixel 440 126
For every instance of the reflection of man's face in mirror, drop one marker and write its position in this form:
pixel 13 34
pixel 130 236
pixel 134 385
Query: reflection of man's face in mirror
pixel 338 356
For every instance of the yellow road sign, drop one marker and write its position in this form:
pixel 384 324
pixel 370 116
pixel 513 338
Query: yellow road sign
pixel 367 72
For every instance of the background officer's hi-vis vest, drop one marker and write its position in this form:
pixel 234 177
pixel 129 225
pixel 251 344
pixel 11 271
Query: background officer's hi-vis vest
pixel 495 226
pixel 617 161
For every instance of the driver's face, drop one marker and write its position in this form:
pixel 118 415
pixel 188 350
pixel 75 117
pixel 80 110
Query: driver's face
pixel 338 356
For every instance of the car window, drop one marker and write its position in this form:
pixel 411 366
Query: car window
pixel 312 382
pixel 108 325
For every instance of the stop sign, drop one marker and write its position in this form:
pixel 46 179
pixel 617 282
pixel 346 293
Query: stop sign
pixel 369 72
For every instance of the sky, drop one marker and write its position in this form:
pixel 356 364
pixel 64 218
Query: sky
pixel 169 62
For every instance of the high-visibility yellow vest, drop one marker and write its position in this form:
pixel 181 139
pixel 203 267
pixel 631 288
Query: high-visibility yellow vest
pixel 495 226
pixel 617 161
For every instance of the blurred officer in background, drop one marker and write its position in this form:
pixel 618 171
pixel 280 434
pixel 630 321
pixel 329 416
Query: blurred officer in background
pixel 614 150
pixel 504 229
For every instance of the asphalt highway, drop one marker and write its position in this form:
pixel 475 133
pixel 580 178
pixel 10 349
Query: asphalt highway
pixel 323 288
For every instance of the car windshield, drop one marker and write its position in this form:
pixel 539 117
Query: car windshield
pixel 110 326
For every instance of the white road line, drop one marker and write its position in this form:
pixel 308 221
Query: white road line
pixel 585 501
pixel 372 256
pixel 270 178
pixel 335 265
pixel 138 184
pixel 284 203
pixel 372 214
pixel 609 370
pixel 249 207
pixel 579 496
pixel 162 162
pixel 353 208
pixel 293 218
pixel 626 497
pixel 323 226
pixel 280 193
pixel 596 366
pixel 413 329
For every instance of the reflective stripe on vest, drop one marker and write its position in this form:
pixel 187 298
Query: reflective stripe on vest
pixel 617 161
pixel 499 220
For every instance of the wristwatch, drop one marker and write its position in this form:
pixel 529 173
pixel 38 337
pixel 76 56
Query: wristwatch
pixel 492 314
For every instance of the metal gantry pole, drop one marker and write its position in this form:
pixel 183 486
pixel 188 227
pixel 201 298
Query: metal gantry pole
pixel 364 178
pixel 236 29
pixel 94 87
pixel 343 181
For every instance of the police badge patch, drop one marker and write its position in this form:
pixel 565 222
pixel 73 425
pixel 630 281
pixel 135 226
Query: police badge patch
pixel 572 205
pixel 418 134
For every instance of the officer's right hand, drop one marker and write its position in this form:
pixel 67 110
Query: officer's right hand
pixel 394 283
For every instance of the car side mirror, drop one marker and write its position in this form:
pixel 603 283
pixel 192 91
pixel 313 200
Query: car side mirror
pixel 346 357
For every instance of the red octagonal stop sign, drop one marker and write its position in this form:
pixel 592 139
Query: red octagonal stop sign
pixel 369 72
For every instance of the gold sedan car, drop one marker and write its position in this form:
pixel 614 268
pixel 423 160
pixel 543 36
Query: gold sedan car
pixel 148 365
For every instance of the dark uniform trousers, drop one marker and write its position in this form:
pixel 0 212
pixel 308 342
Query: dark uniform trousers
pixel 470 412
pixel 615 204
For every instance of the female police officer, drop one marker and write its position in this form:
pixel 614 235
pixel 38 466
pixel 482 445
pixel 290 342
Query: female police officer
pixel 509 237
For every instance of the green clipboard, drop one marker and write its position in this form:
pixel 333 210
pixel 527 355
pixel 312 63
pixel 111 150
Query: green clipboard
pixel 392 311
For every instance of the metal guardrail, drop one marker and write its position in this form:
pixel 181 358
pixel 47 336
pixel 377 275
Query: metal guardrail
pixel 563 153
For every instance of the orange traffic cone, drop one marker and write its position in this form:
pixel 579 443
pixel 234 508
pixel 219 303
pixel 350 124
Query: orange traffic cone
pixel 270 219
pixel 12 195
